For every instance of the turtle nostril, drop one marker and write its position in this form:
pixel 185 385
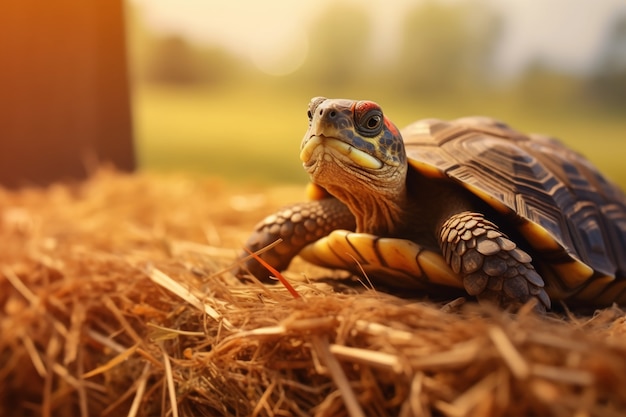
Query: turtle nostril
pixel 330 113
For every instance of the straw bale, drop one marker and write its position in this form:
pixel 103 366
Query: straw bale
pixel 116 298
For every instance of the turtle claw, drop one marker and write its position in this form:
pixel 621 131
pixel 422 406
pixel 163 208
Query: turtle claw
pixel 493 268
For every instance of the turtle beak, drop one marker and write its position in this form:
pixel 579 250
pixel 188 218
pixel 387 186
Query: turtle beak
pixel 313 139
pixel 309 146
pixel 320 143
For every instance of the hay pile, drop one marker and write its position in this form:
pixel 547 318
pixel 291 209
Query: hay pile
pixel 114 301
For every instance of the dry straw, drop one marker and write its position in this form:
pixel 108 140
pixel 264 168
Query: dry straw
pixel 116 300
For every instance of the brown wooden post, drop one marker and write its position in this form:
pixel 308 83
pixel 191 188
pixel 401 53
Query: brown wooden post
pixel 64 94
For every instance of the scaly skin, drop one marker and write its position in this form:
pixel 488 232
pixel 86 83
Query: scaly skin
pixel 297 225
pixel 493 268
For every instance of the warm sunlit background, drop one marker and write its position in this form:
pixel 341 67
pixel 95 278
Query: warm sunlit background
pixel 221 87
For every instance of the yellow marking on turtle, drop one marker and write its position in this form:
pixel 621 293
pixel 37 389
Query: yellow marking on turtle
pixel 339 242
pixel 594 288
pixel 572 274
pixel 364 245
pixel 357 156
pixel 307 150
pixel 540 238
pixel 361 252
pixel 420 263
pixel 315 192
pixel 554 287
pixel 426 169
pixel 389 258
pixel 319 253
pixel 336 251
pixel 494 202
pixel 436 268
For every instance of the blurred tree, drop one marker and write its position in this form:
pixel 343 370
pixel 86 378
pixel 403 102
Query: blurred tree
pixel 542 86
pixel 447 48
pixel 173 60
pixel 339 42
pixel 608 82
pixel 65 104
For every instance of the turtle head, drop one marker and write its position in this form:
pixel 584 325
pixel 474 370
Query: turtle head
pixel 355 152
pixel 358 130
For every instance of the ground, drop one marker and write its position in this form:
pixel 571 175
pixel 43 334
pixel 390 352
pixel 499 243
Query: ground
pixel 117 298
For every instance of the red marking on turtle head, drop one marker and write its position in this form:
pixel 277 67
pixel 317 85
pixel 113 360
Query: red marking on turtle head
pixel 391 127
pixel 362 107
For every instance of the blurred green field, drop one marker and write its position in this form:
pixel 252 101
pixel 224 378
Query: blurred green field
pixel 252 134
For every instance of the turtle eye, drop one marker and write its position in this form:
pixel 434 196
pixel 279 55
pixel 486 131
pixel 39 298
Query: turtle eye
pixel 373 121
pixel 370 123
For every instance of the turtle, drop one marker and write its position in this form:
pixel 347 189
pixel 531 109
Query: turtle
pixel 469 206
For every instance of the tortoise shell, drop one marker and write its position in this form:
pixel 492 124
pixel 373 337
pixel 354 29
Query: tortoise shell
pixel 567 211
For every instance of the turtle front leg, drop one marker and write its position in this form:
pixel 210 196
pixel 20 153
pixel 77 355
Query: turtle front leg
pixel 297 225
pixel 493 268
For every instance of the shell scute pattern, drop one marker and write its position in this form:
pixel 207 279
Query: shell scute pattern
pixel 579 213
